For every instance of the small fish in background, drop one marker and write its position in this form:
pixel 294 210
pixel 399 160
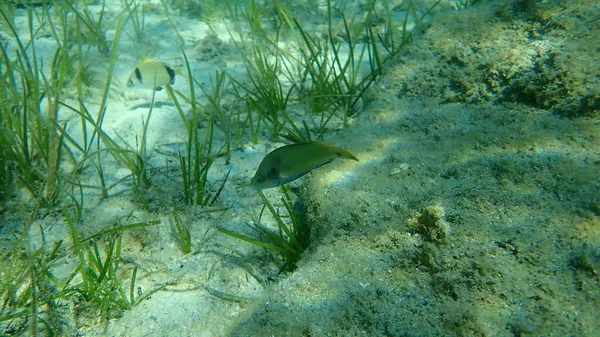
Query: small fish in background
pixel 290 162
pixel 151 75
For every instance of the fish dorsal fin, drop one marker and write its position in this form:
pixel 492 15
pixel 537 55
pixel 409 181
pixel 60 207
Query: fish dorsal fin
pixel 341 153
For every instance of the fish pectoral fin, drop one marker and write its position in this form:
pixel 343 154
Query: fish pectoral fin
pixel 325 163
pixel 284 179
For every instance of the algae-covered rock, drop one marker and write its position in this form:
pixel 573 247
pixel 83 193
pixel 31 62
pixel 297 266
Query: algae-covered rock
pixel 430 224
pixel 511 51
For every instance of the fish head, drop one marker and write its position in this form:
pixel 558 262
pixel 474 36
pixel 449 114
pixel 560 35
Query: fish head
pixel 265 179
pixel 135 79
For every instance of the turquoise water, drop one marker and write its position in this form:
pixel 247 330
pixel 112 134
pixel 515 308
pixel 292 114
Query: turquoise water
pixel 474 208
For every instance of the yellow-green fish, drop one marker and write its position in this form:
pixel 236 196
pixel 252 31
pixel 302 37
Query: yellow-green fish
pixel 290 162
pixel 151 75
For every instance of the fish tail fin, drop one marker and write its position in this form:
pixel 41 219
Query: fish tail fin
pixel 181 71
pixel 345 154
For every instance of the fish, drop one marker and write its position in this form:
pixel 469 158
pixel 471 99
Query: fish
pixel 151 74
pixel 290 162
